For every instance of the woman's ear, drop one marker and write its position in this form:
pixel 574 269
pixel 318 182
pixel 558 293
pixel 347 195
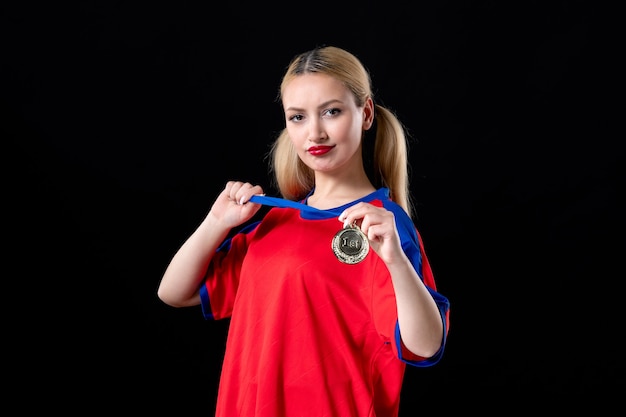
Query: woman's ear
pixel 368 114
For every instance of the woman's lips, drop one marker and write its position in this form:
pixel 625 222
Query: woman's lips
pixel 319 150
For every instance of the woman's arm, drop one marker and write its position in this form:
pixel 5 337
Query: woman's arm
pixel 183 277
pixel 420 321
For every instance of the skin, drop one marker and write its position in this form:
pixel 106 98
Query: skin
pixel 326 127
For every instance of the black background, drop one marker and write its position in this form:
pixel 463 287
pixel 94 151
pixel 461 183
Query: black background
pixel 121 121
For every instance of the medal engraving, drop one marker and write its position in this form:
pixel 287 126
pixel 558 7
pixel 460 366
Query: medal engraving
pixel 350 245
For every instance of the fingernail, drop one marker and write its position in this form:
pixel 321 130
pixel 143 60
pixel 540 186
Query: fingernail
pixel 241 200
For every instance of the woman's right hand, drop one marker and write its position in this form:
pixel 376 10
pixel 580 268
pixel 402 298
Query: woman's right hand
pixel 232 207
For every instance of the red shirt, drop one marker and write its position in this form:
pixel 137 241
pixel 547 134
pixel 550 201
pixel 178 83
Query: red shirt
pixel 310 335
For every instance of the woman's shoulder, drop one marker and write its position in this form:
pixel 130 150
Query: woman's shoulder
pixel 404 223
pixel 382 195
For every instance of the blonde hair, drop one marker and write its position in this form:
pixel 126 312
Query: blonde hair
pixel 390 162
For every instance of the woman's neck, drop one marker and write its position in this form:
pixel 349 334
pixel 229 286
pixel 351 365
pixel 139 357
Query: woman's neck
pixel 330 193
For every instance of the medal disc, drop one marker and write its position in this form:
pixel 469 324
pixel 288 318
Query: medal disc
pixel 350 245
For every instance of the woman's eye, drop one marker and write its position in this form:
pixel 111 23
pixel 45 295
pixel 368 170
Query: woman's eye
pixel 295 118
pixel 332 112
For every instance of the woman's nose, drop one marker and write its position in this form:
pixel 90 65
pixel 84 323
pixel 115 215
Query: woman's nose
pixel 317 132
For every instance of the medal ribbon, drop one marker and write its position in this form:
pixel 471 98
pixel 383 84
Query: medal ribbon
pixel 350 245
pixel 283 203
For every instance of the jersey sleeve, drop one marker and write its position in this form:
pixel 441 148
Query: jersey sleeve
pixel 217 293
pixel 413 247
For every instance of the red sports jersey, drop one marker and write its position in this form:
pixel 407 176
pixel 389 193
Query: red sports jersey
pixel 310 335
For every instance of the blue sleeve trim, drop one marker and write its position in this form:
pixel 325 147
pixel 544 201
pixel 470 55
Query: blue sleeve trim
pixel 443 305
pixel 205 303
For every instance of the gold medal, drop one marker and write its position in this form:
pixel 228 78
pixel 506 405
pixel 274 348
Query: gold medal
pixel 350 245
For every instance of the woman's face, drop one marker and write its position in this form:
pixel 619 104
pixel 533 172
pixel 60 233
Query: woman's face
pixel 324 122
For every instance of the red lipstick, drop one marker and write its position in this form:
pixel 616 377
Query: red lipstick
pixel 319 150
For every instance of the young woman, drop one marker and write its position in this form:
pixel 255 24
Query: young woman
pixel 330 294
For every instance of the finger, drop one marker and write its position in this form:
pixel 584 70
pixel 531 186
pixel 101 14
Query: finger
pixel 247 191
pixel 349 215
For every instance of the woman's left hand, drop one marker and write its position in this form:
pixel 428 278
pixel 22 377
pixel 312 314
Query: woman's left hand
pixel 379 225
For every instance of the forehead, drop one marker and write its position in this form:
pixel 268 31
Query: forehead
pixel 314 89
